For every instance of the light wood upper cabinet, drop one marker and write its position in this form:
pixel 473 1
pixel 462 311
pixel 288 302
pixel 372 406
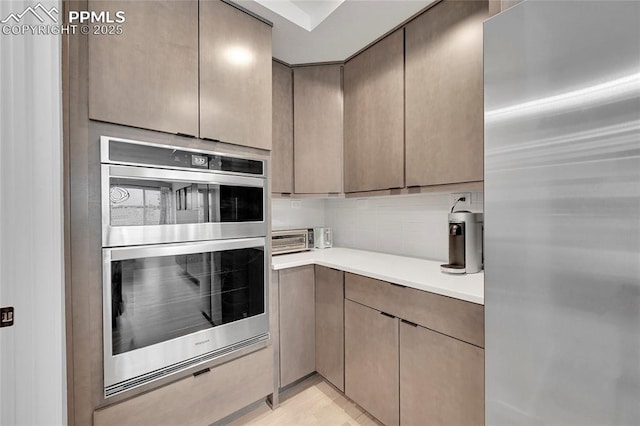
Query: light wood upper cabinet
pixel 441 379
pixel 282 152
pixel 297 323
pixel 371 361
pixel 318 106
pixel 148 76
pixel 374 117
pixel 330 325
pixel 444 94
pixel 235 76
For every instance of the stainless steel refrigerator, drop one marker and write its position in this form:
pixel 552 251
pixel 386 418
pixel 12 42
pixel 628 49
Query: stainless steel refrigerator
pixel 562 213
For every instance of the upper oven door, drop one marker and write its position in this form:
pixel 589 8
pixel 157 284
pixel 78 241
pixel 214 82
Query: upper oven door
pixel 145 205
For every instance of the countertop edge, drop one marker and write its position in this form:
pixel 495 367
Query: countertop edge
pixel 311 260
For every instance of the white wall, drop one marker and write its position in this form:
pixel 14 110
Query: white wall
pixel 32 352
pixel 293 214
pixel 407 225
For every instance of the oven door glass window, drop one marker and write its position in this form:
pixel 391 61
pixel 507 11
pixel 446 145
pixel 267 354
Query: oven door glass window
pixel 156 299
pixel 153 202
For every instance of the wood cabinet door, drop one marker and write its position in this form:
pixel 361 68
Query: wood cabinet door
pixel 317 124
pixel 444 94
pixel 330 325
pixel 374 117
pixel 147 77
pixel 441 379
pixel 371 361
pixel 297 323
pixel 282 152
pixel 235 76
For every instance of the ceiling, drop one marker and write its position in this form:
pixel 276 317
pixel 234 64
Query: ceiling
pixel 307 31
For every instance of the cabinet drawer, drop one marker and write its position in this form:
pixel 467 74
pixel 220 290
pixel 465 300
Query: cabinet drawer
pixel 456 318
pixel 197 400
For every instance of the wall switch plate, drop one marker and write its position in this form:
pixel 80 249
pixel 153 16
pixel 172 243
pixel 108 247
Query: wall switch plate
pixel 296 204
pixel 6 316
pixel 462 205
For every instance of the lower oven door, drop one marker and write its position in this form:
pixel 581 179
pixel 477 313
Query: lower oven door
pixel 169 307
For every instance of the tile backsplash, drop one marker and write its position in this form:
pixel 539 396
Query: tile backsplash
pixel 407 225
pixel 289 213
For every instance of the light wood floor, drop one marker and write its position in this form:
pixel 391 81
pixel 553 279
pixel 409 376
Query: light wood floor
pixel 311 402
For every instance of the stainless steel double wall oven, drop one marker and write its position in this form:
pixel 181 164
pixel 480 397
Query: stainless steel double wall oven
pixel 185 259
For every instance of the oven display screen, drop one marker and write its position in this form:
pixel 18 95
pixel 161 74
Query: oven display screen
pixel 199 161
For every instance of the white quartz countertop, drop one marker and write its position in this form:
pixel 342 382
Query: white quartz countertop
pixel 408 271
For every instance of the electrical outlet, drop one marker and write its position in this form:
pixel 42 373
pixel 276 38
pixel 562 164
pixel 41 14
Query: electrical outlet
pixel 462 205
pixel 296 204
pixel 6 316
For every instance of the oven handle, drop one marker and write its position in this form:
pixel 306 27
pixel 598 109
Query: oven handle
pixel 137 252
pixel 148 173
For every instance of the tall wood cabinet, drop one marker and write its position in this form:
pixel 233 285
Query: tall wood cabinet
pixel 374 117
pixel 317 105
pixel 444 94
pixel 235 76
pixel 372 361
pixel 201 69
pixel 282 152
pixel 297 323
pixel 148 76
pixel 441 379
pixel 330 325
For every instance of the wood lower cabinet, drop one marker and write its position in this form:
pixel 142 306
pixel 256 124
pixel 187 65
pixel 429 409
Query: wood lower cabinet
pixel 235 76
pixel 147 77
pixel 441 379
pixel 374 117
pixel 453 317
pixel 371 361
pixel 330 325
pixel 372 341
pixel 197 400
pixel 282 152
pixel 297 323
pixel 444 94
pixel 317 124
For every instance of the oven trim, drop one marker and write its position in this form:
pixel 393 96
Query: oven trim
pixel 104 156
pixel 124 368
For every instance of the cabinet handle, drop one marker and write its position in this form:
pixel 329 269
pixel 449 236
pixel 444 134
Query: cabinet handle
pixel 387 315
pixel 186 135
pixel 398 285
pixel 197 373
pixel 412 324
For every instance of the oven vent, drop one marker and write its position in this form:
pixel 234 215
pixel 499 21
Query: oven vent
pixel 181 366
